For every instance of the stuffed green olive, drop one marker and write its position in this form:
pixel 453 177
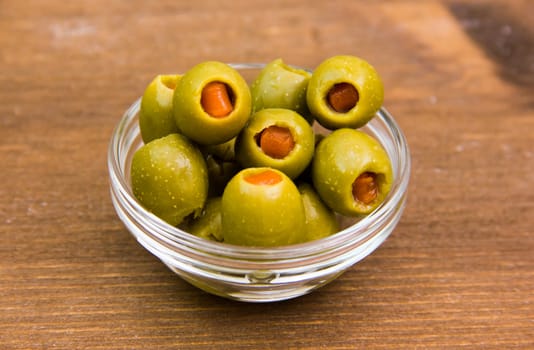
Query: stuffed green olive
pixel 344 91
pixel 211 103
pixel 277 138
pixel 262 207
pixel 351 172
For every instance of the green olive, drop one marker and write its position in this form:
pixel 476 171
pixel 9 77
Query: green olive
pixel 208 224
pixel 219 173
pixel 277 138
pixel 305 176
pixel 262 207
pixel 211 103
pixel 344 91
pixel 223 151
pixel 169 178
pixel 155 115
pixel 281 86
pixel 351 172
pixel 320 219
pixel 222 165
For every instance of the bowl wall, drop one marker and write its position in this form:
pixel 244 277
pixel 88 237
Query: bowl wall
pixel 248 273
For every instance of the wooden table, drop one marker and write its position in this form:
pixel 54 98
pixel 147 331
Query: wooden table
pixel 458 272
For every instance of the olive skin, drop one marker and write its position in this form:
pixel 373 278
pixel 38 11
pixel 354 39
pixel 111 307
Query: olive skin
pixel 208 224
pixel 219 173
pixel 279 85
pixel 264 215
pixel 250 154
pixel 340 158
pixel 169 178
pixel 156 118
pixel 190 116
pixel 223 151
pixel 222 166
pixel 345 69
pixel 320 219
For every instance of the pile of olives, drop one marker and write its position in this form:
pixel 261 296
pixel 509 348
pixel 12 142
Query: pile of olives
pixel 244 165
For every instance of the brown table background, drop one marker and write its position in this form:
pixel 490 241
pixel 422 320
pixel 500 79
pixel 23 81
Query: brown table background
pixel 458 272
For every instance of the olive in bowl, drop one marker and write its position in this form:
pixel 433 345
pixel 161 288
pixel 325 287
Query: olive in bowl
pixel 169 177
pixel 344 91
pixel 320 220
pixel 211 103
pixel 208 224
pixel 278 138
pixel 351 172
pixel 156 117
pixel 262 207
pixel 280 85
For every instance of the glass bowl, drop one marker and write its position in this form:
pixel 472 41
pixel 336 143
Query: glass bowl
pixel 254 274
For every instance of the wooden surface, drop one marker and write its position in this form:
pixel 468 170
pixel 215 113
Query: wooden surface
pixel 458 272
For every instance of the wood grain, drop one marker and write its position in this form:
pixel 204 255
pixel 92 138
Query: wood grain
pixel 458 272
